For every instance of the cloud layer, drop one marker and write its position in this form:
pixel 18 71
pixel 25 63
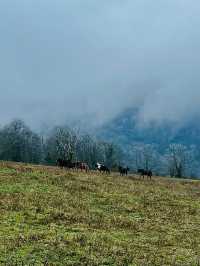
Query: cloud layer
pixel 63 60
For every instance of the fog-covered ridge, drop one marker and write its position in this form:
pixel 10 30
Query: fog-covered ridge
pixel 68 60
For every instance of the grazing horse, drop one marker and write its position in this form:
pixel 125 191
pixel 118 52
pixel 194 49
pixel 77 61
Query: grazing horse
pixel 102 168
pixel 82 166
pixel 73 165
pixel 65 164
pixel 123 171
pixel 144 173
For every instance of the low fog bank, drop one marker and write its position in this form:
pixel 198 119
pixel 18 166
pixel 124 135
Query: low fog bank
pixel 65 61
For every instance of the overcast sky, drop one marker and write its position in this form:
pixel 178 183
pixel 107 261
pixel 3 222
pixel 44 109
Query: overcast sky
pixel 68 59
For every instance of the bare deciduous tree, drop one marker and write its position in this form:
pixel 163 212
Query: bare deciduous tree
pixel 178 158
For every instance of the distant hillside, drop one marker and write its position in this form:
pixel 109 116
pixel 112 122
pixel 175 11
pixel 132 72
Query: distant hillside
pixel 124 131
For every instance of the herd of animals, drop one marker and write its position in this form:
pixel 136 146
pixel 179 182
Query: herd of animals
pixel 100 167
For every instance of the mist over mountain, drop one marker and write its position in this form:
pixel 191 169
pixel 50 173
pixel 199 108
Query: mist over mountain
pixel 89 61
pixel 126 130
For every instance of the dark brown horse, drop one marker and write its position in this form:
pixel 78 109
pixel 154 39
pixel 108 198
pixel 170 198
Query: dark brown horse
pixel 73 165
pixel 123 170
pixel 144 173
pixel 65 163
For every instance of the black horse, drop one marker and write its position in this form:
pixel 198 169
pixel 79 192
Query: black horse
pixel 65 164
pixel 123 170
pixel 102 168
pixel 144 173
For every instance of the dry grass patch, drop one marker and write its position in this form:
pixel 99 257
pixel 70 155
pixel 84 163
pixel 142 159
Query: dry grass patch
pixel 50 216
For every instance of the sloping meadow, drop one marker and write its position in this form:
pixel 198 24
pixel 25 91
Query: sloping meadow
pixel 50 216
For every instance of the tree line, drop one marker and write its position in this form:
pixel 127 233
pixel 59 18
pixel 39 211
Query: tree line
pixel 20 144
pixel 177 160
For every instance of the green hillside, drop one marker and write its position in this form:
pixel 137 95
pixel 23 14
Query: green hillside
pixel 49 216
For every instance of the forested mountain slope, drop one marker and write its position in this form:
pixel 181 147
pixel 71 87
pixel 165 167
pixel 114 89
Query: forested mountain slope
pixel 124 130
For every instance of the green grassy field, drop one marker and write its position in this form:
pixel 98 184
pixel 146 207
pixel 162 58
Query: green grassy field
pixel 50 216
